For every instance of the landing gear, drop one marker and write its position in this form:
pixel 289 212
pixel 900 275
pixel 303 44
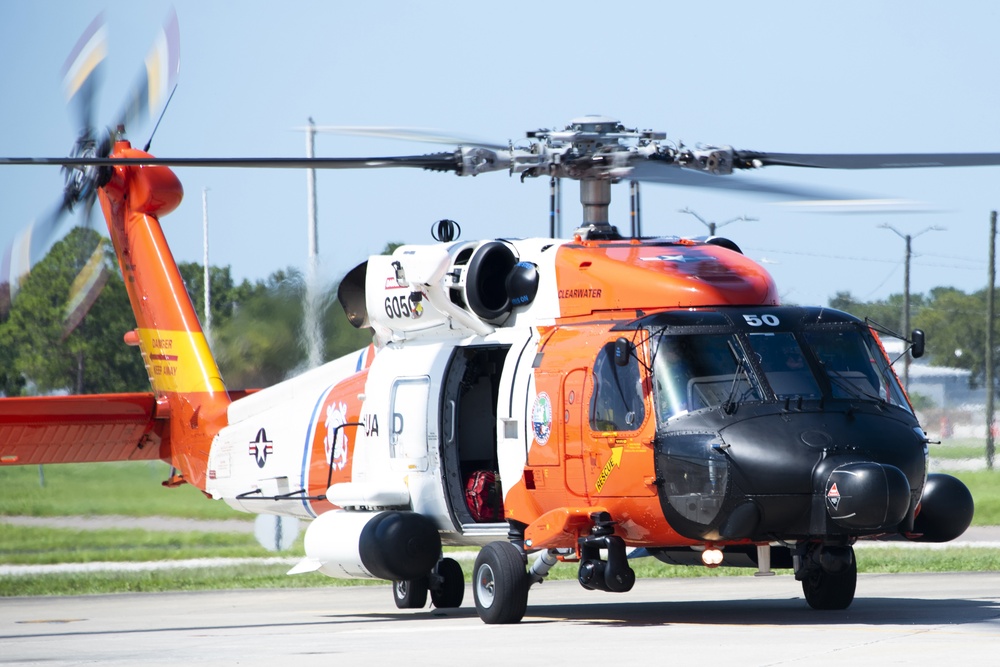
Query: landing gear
pixel 447 584
pixel 829 577
pixel 410 594
pixel 500 584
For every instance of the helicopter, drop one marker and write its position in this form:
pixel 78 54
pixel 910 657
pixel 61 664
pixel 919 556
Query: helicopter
pixel 575 401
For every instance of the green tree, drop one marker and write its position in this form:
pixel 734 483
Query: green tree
pixel 955 324
pixel 261 343
pixel 226 295
pixel 93 358
pixel 887 312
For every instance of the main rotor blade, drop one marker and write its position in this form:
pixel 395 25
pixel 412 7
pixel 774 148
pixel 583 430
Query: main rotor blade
pixel 434 161
pixel 872 160
pixel 671 174
pixel 419 134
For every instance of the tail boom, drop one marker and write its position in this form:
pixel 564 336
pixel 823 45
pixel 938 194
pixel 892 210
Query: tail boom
pixel 182 371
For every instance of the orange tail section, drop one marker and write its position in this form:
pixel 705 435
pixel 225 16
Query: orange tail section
pixel 182 370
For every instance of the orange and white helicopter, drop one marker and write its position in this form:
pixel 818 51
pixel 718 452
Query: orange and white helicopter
pixel 548 400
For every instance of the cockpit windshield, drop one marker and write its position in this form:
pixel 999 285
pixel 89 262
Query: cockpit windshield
pixel 806 362
pixel 855 366
pixel 697 371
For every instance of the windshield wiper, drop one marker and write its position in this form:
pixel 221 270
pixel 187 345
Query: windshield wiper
pixel 729 407
pixel 852 389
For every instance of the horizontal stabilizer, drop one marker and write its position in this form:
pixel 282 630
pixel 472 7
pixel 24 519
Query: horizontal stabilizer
pixel 306 565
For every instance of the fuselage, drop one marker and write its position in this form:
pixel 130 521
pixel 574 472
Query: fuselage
pixel 482 422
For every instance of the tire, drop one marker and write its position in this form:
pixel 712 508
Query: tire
pixel 500 584
pixel 410 594
pixel 450 591
pixel 830 592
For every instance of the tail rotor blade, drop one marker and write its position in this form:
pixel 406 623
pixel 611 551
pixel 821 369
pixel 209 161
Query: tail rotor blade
pixel 28 247
pixel 81 72
pixel 157 78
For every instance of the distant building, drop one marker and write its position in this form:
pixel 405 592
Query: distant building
pixel 946 387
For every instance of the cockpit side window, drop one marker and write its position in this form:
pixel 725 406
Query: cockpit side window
pixel 617 402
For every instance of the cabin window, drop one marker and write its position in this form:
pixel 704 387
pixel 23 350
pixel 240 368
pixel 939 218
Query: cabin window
pixel 617 402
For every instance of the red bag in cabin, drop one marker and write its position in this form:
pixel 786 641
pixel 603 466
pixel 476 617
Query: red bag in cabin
pixel 480 495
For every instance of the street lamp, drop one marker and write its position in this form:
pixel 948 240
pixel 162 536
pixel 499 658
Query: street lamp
pixel 906 288
pixel 712 226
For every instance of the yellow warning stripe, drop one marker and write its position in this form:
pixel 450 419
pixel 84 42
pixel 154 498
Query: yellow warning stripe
pixel 179 361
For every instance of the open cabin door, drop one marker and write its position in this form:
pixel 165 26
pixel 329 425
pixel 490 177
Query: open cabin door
pixel 469 435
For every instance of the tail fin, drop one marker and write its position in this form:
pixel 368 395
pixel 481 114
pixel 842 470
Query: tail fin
pixel 182 371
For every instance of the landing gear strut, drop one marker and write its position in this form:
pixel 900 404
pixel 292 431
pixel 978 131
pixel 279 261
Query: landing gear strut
pixel 447 584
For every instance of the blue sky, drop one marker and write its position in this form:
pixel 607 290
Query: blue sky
pixel 775 76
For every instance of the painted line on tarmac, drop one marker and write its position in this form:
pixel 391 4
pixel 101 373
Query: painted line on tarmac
pixel 147 566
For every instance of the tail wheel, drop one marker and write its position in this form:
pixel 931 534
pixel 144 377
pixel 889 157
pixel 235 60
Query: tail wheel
pixel 450 588
pixel 500 584
pixel 831 592
pixel 410 594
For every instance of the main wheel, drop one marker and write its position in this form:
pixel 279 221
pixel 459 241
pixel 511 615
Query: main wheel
pixel 410 594
pixel 830 592
pixel 500 584
pixel 450 589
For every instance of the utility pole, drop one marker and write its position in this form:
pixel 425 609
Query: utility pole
pixel 208 289
pixel 906 289
pixel 712 226
pixel 990 444
pixel 311 318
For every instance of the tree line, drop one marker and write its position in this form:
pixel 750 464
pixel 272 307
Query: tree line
pixel 256 333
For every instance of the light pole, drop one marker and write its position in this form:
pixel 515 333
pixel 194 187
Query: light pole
pixel 208 287
pixel 311 321
pixel 906 289
pixel 712 226
pixel 990 312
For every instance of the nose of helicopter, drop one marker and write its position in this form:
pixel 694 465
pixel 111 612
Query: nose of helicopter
pixel 865 495
pixel 791 475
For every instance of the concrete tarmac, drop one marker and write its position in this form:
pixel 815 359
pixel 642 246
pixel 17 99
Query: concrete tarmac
pixel 904 619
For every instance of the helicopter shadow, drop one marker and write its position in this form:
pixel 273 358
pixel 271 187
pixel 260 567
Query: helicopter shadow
pixel 790 612
pixel 783 612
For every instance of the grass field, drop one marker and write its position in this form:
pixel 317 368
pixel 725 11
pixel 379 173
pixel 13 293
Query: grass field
pixel 133 489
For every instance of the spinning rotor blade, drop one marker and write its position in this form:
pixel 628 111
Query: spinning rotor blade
pixel 433 162
pixel 81 75
pixel 871 161
pixel 156 81
pixel 424 135
pixel 28 248
pixel 82 72
pixel 652 171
